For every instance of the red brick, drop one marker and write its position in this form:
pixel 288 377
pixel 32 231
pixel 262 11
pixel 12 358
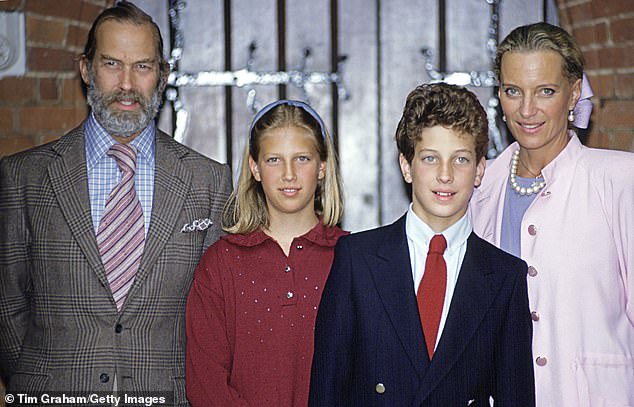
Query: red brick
pixel 49 89
pixel 622 140
pixel 10 5
pixel 77 10
pixel 592 59
pixel 46 59
pixel 47 138
pixel 580 13
pixel 73 92
pixel 616 57
pixel 70 9
pixel 607 8
pixel 598 139
pixel 17 89
pixel 625 86
pixel 602 86
pixel 622 30
pixel 591 35
pixel 77 36
pixel 45 31
pixel 14 142
pixel 6 120
pixel 617 113
pixel 45 118
pixel 89 12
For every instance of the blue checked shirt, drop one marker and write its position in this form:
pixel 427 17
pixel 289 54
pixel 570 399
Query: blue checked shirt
pixel 104 174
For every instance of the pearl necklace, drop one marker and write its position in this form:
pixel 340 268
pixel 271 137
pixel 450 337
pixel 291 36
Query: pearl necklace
pixel 535 187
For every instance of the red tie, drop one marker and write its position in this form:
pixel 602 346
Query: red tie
pixel 431 291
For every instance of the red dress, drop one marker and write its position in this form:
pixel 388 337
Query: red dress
pixel 251 319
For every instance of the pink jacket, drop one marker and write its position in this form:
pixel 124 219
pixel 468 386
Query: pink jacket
pixel 578 240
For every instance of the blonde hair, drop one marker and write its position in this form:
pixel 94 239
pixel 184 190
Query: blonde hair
pixel 246 208
pixel 543 37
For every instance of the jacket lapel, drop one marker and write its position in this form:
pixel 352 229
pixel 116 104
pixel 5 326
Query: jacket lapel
pixel 69 181
pixel 171 183
pixel 474 293
pixel 485 213
pixel 392 274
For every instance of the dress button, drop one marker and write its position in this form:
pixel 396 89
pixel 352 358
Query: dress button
pixel 541 361
pixel 287 269
pixel 380 388
pixel 300 247
pixel 532 230
pixel 104 378
pixel 532 271
pixel 118 328
pixel 535 316
pixel 289 295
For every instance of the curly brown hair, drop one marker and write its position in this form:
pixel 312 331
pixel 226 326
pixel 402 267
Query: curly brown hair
pixel 441 104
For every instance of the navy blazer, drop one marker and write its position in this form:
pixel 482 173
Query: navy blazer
pixel 369 344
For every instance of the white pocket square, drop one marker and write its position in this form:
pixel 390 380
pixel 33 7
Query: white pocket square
pixel 197 224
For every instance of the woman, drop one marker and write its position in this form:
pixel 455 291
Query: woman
pixel 568 211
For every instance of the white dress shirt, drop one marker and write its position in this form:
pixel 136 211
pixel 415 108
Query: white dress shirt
pixel 418 237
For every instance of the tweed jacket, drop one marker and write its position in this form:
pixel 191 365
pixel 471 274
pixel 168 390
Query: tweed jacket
pixel 59 326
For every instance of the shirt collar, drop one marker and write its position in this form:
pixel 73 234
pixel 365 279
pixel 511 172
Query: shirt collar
pixel 455 235
pixel 98 141
pixel 320 234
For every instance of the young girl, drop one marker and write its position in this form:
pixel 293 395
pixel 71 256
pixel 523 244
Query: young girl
pixel 252 306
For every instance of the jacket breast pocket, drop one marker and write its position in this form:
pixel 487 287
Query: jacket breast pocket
pixel 605 380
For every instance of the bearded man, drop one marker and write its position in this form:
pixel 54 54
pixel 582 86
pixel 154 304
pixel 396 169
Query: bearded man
pixel 100 233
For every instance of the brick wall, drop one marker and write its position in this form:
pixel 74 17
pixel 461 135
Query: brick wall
pixel 605 32
pixel 41 105
pixel 48 100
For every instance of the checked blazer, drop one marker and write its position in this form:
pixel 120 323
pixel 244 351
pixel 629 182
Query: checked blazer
pixel 59 325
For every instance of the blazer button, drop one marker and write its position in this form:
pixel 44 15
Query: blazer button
pixel 380 388
pixel 532 271
pixel 104 378
pixel 118 328
pixel 532 230
pixel 535 316
pixel 541 361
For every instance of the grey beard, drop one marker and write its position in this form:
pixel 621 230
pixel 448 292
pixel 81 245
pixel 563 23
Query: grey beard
pixel 122 123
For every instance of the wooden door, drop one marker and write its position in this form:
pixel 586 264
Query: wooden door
pixel 382 42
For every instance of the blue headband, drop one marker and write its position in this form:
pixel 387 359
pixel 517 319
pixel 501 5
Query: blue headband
pixel 295 103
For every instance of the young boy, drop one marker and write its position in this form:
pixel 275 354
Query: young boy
pixel 398 326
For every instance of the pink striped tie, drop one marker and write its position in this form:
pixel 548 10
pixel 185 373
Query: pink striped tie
pixel 121 235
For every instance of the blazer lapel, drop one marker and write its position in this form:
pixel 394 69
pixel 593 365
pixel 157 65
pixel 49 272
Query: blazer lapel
pixel 171 183
pixel 485 213
pixel 474 293
pixel 392 274
pixel 69 181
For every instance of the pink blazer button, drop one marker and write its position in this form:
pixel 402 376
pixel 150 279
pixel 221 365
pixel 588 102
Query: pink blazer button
pixel 532 271
pixel 532 230
pixel 541 361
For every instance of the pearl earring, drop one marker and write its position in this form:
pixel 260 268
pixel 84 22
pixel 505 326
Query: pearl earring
pixel 571 116
pixel 504 118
